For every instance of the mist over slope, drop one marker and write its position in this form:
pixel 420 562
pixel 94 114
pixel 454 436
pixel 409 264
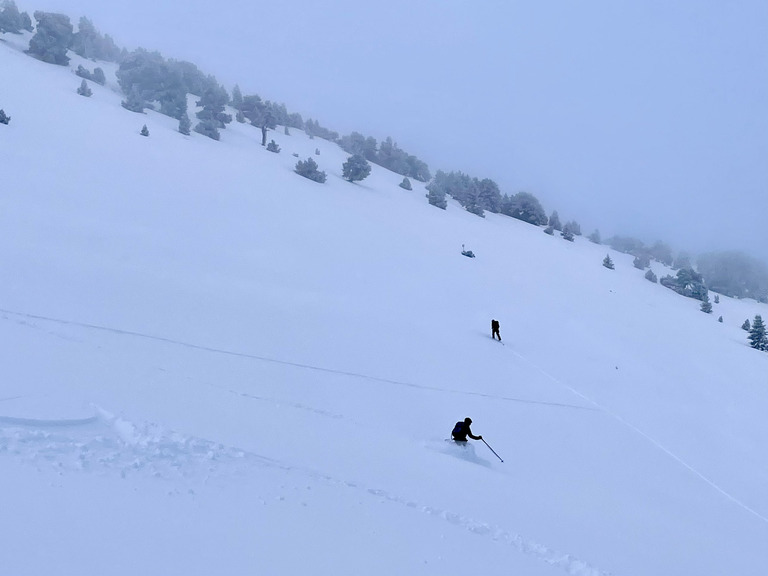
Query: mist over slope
pixel 213 364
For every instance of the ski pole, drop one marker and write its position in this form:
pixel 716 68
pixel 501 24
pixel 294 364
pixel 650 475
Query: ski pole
pixel 492 450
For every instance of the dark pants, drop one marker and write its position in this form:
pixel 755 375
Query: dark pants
pixel 496 333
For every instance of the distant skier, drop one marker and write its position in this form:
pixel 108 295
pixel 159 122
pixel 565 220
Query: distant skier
pixel 461 431
pixel 495 329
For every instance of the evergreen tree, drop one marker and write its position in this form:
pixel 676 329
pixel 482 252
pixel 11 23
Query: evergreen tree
pixel 237 98
pixel 526 207
pixel 642 261
pixel 84 90
pixel 51 41
pixel 208 128
pixel 98 76
pixel 706 305
pixel 10 18
pixel 134 102
pixel 273 147
pixel 308 169
pixel 406 184
pixel 757 335
pixel 717 299
pixel 185 124
pixel 286 131
pixel 436 197
pixel 554 221
pixel 720 319
pixel 144 130
pixel 549 230
pixel 746 326
pixel 3 118
pixel 355 168
pixel 595 237
pixel 607 262
pixel 650 276
pixel 574 227
pixel 567 234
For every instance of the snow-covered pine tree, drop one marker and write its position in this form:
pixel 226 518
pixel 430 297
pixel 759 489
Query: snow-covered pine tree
pixel 185 124
pixel 84 90
pixel 757 336
pixel 355 168
pixel 607 262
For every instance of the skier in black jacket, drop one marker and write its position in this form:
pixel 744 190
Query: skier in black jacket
pixel 461 431
pixel 495 329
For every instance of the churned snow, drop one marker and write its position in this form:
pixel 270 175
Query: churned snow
pixel 211 365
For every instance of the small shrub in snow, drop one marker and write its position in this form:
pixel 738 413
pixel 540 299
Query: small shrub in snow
pixel 144 131
pixel 317 151
pixel 406 184
pixel 651 277
pixel 746 326
pixel 3 118
pixel 717 299
pixel 607 262
pixel 84 90
pixel 706 305
pixel 720 319
pixel 273 147
pixel 549 230
pixel 308 169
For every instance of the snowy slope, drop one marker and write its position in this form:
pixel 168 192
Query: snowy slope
pixel 213 365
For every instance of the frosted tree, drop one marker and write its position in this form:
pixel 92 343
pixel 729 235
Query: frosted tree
pixel 607 262
pixel 405 184
pixel 185 124
pixel 595 237
pixel 355 168
pixel 84 90
pixel 3 118
pixel 144 130
pixel 554 221
pixel 308 168
pixel 273 147
pixel 757 335
pixel 706 305
pixel 746 326
pixel 650 276
pixel 52 39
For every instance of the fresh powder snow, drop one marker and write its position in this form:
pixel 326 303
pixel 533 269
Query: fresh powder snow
pixel 211 365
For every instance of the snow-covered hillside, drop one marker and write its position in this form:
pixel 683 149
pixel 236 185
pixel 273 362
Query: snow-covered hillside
pixel 211 365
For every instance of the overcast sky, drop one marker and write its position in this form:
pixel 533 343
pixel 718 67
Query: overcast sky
pixel 646 118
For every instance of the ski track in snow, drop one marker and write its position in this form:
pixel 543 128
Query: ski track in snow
pixel 650 439
pixel 23 316
pixel 106 444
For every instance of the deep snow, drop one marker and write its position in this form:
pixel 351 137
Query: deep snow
pixel 213 365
